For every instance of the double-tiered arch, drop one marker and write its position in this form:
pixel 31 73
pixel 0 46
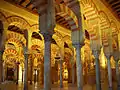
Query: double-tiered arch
pixel 91 16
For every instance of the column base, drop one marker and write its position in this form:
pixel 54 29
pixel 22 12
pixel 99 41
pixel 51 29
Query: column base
pixel 25 87
pixel 30 82
pixel 118 87
pixel 110 88
pixel 73 83
pixel 16 82
pixel 99 88
pixel 61 86
pixel 79 88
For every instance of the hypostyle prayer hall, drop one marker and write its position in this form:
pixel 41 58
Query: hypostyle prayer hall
pixel 59 44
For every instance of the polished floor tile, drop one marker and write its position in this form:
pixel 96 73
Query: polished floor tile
pixel 13 86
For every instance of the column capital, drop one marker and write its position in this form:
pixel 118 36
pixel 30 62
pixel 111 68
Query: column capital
pixel 1 52
pixel 108 56
pixel 78 45
pixel 116 55
pixel 37 5
pixel 47 36
pixel 96 53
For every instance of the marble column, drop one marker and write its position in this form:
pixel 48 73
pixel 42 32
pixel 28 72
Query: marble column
pixel 22 75
pixel 56 71
pixel 26 72
pixel 25 49
pixel 73 75
pixel 117 74
pixel 109 72
pixel 47 61
pixel 17 67
pixel 116 55
pixel 42 74
pixel 31 69
pixel 61 78
pixel 1 67
pixel 69 75
pixel 4 75
pixel 2 40
pixel 79 66
pixel 97 67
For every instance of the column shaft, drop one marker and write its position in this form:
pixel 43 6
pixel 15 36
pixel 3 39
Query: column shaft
pixel 117 74
pixel 31 70
pixel 73 75
pixel 1 67
pixel 97 66
pixel 3 71
pixel 22 75
pixel 61 80
pixel 47 61
pixel 2 42
pixel 79 67
pixel 98 83
pixel 17 73
pixel 109 73
pixel 26 72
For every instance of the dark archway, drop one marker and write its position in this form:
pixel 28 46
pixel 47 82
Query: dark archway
pixel 87 35
pixel 36 35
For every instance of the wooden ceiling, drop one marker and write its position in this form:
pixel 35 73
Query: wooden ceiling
pixel 114 5
pixel 27 5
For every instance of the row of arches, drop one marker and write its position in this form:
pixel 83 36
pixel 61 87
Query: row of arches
pixel 91 15
pixel 97 25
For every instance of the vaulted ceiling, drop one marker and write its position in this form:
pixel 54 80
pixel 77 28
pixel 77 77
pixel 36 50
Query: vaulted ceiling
pixel 27 5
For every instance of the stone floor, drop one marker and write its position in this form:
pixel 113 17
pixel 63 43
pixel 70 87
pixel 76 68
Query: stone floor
pixel 66 86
